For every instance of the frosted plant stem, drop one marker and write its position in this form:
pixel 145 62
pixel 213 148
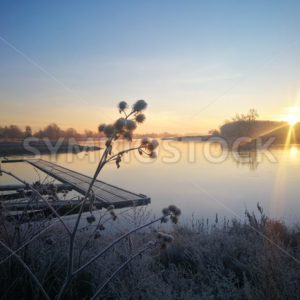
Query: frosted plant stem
pixel 114 243
pixel 34 278
pixel 122 267
pixel 73 234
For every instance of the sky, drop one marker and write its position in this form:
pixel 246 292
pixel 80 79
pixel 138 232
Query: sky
pixel 196 63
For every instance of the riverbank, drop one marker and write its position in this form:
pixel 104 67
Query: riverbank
pixel 41 147
pixel 248 132
pixel 226 259
pixel 238 143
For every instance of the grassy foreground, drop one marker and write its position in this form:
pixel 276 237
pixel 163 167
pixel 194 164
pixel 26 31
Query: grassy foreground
pixel 255 259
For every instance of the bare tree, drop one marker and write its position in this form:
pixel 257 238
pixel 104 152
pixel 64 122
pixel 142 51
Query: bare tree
pixel 28 131
pixel 252 115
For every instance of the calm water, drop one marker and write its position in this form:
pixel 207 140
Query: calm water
pixel 198 177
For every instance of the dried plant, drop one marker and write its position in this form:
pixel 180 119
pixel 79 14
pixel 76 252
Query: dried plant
pixel 123 128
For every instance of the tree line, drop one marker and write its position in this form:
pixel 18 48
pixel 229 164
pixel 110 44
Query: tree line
pixel 51 131
pixel 54 132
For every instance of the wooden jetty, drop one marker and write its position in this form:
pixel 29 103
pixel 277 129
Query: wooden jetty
pixel 105 194
pixel 22 187
pixel 62 207
pixel 19 191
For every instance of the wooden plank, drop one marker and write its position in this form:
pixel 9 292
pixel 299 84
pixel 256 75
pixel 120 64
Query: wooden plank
pixel 6 161
pixel 62 207
pixel 83 183
pixel 15 206
pixel 16 187
pixel 85 179
pixel 22 191
pixel 80 179
pixel 105 193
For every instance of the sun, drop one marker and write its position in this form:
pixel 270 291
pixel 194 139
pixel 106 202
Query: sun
pixel 293 119
pixel 293 115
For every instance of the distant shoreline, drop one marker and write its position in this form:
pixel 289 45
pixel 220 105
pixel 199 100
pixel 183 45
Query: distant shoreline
pixel 199 138
pixel 214 139
pixel 248 134
pixel 18 148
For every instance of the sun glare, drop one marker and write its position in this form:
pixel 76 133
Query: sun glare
pixel 293 119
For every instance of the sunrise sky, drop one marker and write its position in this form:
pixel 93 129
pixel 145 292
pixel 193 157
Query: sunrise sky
pixel 196 63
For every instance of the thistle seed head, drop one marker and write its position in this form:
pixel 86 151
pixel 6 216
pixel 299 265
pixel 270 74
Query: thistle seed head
pixel 122 106
pixel 119 124
pixel 153 155
pixel 153 145
pixel 174 219
pixel 113 215
pixel 101 127
pixel 128 136
pixel 164 220
pixel 160 235
pixel 118 160
pixel 91 219
pixel 101 227
pixel 165 211
pixel 165 239
pixel 139 105
pixel 175 210
pixel 140 118
pixel 130 125
pixel 145 141
pixel 168 238
pixel 109 130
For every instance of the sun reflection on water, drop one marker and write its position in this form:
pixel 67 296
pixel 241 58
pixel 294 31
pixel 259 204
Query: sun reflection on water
pixel 294 152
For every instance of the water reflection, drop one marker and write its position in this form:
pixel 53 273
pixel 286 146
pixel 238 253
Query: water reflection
pixel 294 152
pixel 247 158
pixel 180 166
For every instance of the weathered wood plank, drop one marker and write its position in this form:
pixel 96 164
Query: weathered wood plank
pixel 37 207
pixel 6 161
pixel 15 206
pixel 73 176
pixel 16 187
pixel 22 191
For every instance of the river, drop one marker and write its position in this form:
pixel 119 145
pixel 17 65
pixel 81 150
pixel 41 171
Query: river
pixel 203 179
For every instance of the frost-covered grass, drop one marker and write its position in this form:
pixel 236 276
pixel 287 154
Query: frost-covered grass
pixel 255 259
